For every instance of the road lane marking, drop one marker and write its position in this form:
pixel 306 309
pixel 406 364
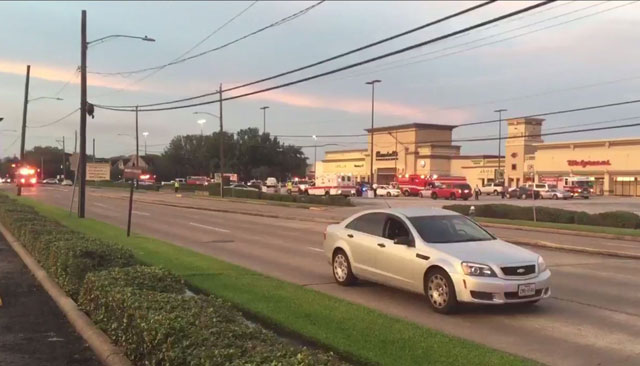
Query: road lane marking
pixel 210 227
pixel 101 205
pixel 316 249
pixel 141 213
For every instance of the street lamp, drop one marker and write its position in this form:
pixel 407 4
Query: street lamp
pixel 264 118
pixel 499 111
pixel 373 87
pixel 145 134
pixel 221 144
pixel 82 160
pixel 315 147
pixel 201 122
pixel 38 98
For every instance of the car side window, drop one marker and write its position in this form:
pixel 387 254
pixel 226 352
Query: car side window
pixel 395 228
pixel 371 224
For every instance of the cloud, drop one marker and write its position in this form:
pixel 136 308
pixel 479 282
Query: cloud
pixel 52 73
pixel 362 106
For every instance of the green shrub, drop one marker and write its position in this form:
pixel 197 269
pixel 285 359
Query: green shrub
pixel 165 328
pixel 620 219
pixel 245 193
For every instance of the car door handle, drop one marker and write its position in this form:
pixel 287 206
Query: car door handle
pixel 381 245
pixel 350 235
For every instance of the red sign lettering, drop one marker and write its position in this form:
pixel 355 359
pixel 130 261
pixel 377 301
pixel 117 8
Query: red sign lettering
pixel 586 163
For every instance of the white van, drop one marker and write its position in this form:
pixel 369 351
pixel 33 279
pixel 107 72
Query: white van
pixel 542 187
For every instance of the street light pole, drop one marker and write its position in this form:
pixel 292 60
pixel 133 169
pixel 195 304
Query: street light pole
pixel 499 111
pixel 221 146
pixel 315 148
pixel 264 118
pixel 145 134
pixel 24 120
pixel 373 88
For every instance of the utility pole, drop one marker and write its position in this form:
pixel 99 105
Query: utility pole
pixel 82 160
pixel 94 149
pixel 75 142
pixel 134 181
pixel 221 146
pixel 264 118
pixel 499 111
pixel 64 161
pixel 24 120
pixel 373 88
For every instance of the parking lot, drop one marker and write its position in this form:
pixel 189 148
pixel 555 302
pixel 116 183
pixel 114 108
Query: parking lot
pixel 594 204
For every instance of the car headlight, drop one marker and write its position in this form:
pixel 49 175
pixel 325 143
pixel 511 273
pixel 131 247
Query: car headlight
pixel 477 269
pixel 542 266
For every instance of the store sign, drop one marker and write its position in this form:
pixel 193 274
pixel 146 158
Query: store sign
pixel 389 155
pixel 586 163
pixel 358 165
pixel 549 180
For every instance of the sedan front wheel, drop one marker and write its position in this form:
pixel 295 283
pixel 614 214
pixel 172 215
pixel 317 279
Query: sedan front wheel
pixel 440 291
pixel 342 269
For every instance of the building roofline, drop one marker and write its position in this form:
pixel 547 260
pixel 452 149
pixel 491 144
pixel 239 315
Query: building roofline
pixel 588 142
pixel 419 126
pixel 343 151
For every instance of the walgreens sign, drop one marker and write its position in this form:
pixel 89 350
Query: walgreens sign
pixel 586 163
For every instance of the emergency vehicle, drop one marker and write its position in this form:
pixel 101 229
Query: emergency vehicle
pixel 25 176
pixel 413 184
pixel 333 185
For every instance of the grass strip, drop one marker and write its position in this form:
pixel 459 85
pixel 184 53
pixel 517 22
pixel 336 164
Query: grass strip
pixel 349 329
pixel 555 225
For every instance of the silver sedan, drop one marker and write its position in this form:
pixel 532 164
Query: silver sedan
pixel 556 194
pixel 435 252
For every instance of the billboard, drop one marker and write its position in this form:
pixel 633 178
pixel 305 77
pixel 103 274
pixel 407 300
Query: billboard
pixel 98 171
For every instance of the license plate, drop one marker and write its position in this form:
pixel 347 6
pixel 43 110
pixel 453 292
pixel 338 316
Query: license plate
pixel 527 289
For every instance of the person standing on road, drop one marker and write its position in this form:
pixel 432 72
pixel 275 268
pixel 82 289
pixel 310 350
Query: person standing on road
pixel 476 192
pixel 503 190
pixel 176 186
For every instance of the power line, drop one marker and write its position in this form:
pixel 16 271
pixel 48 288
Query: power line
pixel 332 58
pixel 57 120
pixel 279 22
pixel 347 67
pixel 11 144
pixel 75 74
pixel 478 46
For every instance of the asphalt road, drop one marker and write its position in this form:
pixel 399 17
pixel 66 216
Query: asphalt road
pixel 593 317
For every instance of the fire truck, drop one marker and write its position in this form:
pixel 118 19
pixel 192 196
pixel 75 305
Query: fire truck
pixel 333 185
pixel 25 176
pixel 413 184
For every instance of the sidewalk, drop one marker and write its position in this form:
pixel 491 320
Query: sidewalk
pixel 33 331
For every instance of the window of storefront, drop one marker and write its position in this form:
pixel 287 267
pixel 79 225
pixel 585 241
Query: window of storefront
pixel 626 186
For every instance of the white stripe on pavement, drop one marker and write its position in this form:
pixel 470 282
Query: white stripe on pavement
pixel 101 205
pixel 210 227
pixel 141 213
pixel 315 249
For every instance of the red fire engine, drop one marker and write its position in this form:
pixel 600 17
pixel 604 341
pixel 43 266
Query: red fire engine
pixel 412 184
pixel 25 176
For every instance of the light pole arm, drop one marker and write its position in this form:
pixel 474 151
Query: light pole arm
pixel 207 113
pixel 145 38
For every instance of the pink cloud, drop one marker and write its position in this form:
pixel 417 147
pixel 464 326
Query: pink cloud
pixel 52 73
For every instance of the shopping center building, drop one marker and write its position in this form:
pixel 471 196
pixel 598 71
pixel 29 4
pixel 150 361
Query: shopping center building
pixel 610 167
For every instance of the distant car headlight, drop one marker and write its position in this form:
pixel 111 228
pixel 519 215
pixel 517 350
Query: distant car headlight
pixel 477 269
pixel 542 266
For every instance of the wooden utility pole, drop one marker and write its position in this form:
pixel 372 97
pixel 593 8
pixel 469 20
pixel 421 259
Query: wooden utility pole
pixel 82 159
pixel 24 120
pixel 221 146
pixel 64 160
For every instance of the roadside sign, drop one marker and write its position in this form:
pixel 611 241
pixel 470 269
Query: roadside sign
pixel 98 171
pixel 132 173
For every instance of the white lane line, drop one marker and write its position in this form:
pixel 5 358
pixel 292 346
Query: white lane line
pixel 141 213
pixel 209 227
pixel 101 205
pixel 315 249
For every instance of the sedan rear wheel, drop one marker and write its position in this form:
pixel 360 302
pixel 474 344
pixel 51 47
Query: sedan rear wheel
pixel 342 269
pixel 434 196
pixel 388 194
pixel 555 196
pixel 440 292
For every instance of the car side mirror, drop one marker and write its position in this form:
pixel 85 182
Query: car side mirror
pixel 403 240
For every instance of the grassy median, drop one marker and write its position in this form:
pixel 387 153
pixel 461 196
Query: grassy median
pixel 560 226
pixel 355 331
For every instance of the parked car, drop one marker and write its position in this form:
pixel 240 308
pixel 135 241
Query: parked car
pixel 577 191
pixel 387 191
pixel 556 194
pixel 5 180
pixel 50 181
pixel 452 191
pixel 492 188
pixel 242 186
pixel 66 182
pixel 439 253
pixel 523 192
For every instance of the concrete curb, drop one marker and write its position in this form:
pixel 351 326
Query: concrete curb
pixel 108 354
pixel 561 231
pixel 546 244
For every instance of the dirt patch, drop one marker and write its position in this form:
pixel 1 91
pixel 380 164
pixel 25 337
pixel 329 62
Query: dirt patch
pixel 33 331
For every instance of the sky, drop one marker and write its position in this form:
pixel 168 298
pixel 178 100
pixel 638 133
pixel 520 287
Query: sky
pixel 561 56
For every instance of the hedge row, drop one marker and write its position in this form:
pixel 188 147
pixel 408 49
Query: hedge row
pixel 293 198
pixel 619 219
pixel 145 310
pixel 146 307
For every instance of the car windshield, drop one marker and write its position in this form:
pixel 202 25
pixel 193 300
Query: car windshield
pixel 449 229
